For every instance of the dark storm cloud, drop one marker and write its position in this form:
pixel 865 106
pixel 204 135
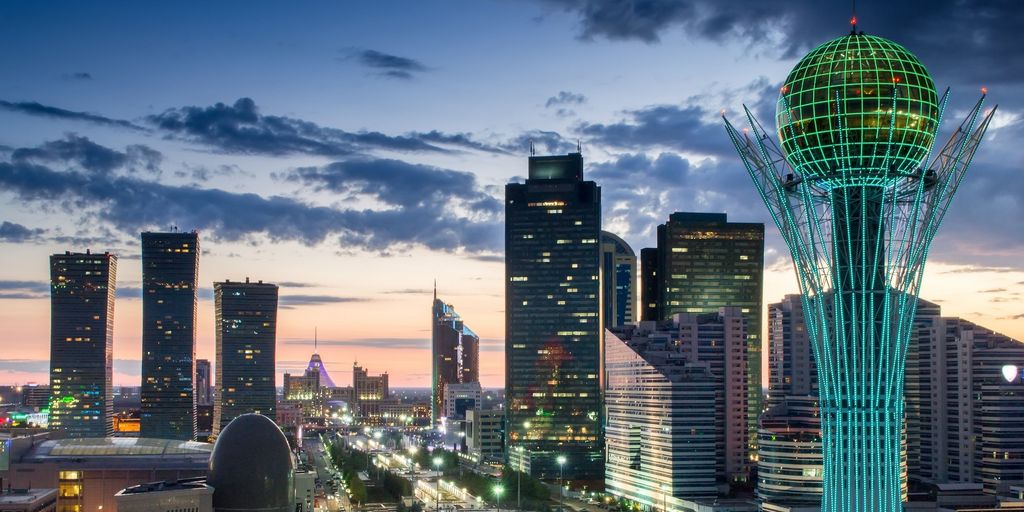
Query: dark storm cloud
pixel 91 156
pixel 390 66
pixel 398 183
pixel 964 41
pixel 14 232
pixel 241 128
pixel 37 109
pixel 129 204
pixel 544 141
pixel 565 98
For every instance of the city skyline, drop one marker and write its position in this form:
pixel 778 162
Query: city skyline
pixel 85 117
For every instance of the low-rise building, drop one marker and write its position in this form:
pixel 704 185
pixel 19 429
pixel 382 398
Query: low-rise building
pixel 88 471
pixel 485 433
pixel 191 495
pixel 305 488
pixel 28 500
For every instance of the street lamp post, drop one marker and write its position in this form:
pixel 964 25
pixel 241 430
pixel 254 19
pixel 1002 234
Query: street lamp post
pixel 498 490
pixel 561 489
pixel 519 480
pixel 437 495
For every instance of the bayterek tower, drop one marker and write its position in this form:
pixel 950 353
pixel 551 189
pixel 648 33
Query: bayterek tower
pixel 858 189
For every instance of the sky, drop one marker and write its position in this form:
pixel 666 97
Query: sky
pixel 355 152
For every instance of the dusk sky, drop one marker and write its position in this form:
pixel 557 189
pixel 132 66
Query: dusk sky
pixel 354 152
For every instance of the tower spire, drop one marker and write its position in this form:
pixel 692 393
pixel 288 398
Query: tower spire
pixel 435 288
pixel 314 340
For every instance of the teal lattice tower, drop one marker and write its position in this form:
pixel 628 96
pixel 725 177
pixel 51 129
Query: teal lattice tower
pixel 858 200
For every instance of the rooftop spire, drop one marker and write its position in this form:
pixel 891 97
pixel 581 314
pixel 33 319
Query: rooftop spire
pixel 314 340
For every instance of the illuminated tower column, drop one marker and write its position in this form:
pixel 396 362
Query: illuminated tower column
pixel 858 201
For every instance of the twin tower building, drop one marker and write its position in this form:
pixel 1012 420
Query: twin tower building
pixel 83 289
pixel 567 281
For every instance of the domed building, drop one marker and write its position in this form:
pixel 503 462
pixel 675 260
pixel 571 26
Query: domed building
pixel 251 467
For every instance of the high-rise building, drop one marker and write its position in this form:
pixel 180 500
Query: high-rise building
pixel 246 323
pixel 963 412
pixel 858 195
pixel 649 286
pixel 791 368
pixel 204 388
pixel 553 329
pixel 170 271
pixel 618 281
pixel 789 467
pixel 455 351
pixel 82 288
pixel 369 392
pixel 706 262
pixel 662 425
pixel 305 391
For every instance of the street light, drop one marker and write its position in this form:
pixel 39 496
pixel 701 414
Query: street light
pixel 498 490
pixel 519 480
pixel 561 490
pixel 437 496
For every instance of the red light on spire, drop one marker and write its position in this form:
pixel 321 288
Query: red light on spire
pixel 984 90
pixel 853 21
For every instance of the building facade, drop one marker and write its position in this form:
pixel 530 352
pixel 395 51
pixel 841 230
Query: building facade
pixel 706 262
pixel 170 273
pixel 618 281
pixel 553 318
pixel 789 461
pixel 485 433
pixel 962 412
pixel 455 352
pixel 246 323
pixel 204 386
pixel 460 399
pixel 791 368
pixel 82 289
pixel 662 421
pixel 192 495
pixel 650 289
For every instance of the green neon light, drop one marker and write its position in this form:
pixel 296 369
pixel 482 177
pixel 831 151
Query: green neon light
pixel 858 211
pixel 890 111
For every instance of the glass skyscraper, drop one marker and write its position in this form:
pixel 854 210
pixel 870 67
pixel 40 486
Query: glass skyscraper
pixel 455 351
pixel 246 326
pixel 553 318
pixel 170 270
pixel 706 262
pixel 649 287
pixel 618 282
pixel 82 290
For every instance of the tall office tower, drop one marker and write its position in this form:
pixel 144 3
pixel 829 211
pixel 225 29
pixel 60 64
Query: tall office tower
pixel 455 350
pixel 246 324
pixel 204 390
pixel 706 262
pixel 618 281
pixel 662 427
pixel 791 368
pixel 789 466
pixel 170 271
pixel 654 370
pixel 649 286
pixel 553 318
pixel 961 406
pixel 858 200
pixel 82 288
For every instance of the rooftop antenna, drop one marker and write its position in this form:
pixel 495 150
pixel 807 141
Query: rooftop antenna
pixel 579 146
pixel 435 288
pixel 533 150
pixel 853 17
